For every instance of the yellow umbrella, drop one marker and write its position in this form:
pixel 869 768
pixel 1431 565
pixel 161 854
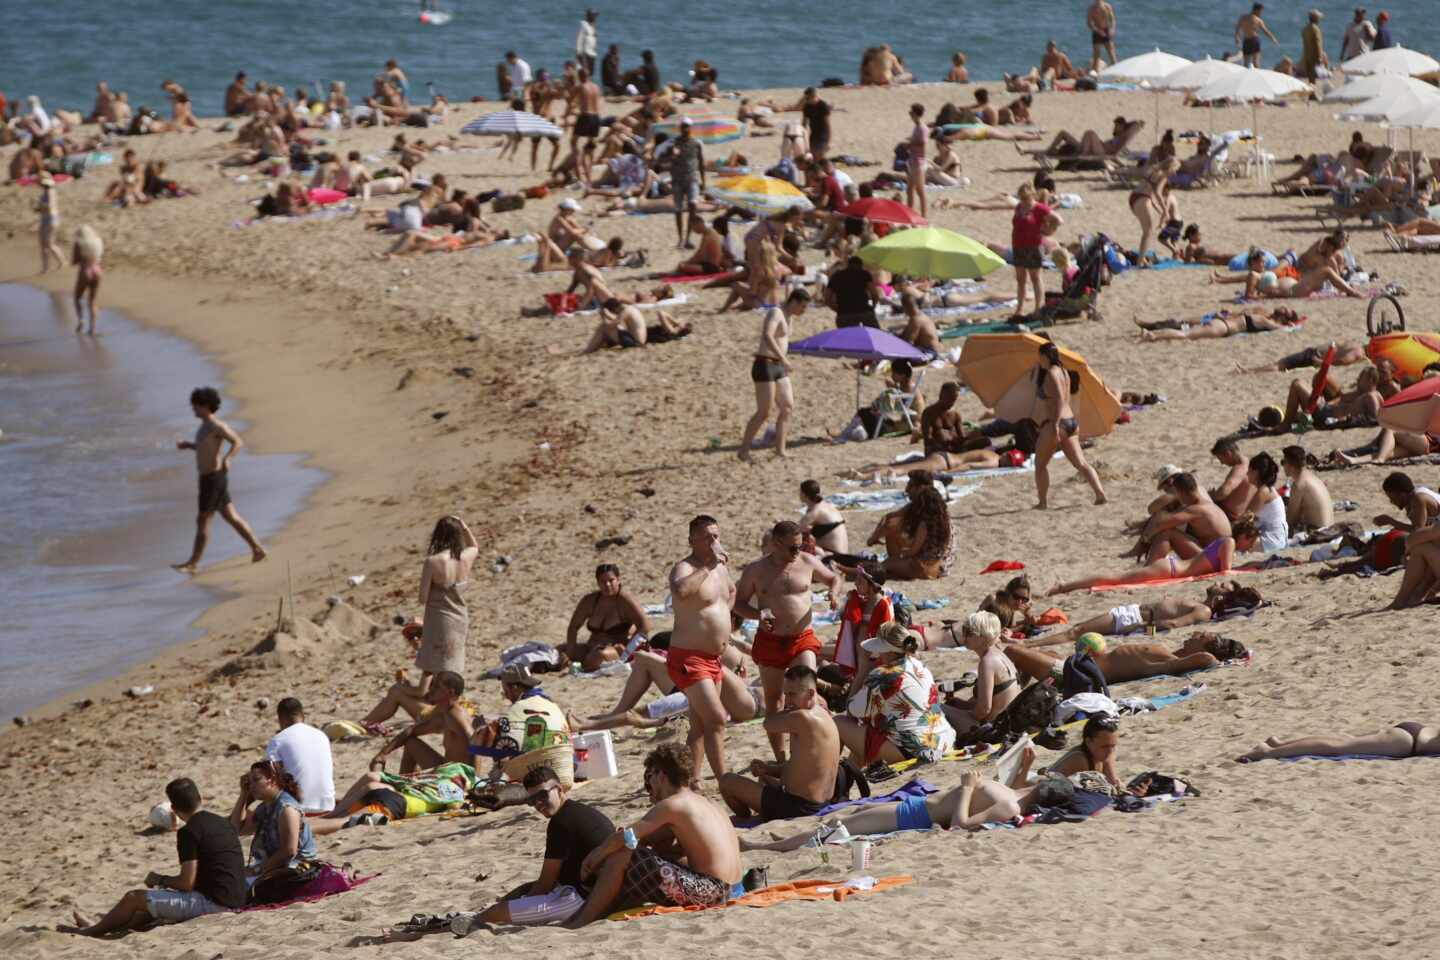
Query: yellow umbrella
pixel 759 194
pixel 992 363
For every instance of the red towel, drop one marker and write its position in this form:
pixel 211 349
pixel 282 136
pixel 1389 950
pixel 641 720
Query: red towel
pixel 691 277
pixel 1000 566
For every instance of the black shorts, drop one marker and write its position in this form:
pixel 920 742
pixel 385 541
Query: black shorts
pixel 1098 39
pixel 214 491
pixel 778 804
pixel 627 341
pixel 765 370
pixel 1250 45
pixel 864 318
pixel 587 125
pixel 819 144
pixel 391 800
pixel 1029 258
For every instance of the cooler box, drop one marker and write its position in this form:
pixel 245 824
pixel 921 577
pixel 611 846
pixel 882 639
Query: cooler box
pixel 594 755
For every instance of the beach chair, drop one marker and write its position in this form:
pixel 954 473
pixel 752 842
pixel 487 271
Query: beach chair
pixel 1094 161
pixel 894 408
pixel 1412 244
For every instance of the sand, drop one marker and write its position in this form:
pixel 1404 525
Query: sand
pixel 348 359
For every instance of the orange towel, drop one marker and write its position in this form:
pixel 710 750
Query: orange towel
pixel 778 893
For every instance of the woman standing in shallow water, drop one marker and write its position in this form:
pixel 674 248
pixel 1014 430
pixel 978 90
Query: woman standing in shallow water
pixel 86 256
pixel 49 209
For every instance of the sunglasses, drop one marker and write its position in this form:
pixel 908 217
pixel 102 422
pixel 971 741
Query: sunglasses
pixel 1110 724
pixel 540 795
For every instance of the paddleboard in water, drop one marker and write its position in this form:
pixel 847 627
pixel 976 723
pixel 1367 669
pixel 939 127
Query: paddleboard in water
pixel 434 18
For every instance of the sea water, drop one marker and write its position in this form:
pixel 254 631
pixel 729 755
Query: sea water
pixel 96 501
pixel 59 49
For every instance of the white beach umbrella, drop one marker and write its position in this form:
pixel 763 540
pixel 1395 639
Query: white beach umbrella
pixel 1424 117
pixel 1399 60
pixel 1252 86
pixel 1199 74
pixel 1148 70
pixel 1388 106
pixel 1375 85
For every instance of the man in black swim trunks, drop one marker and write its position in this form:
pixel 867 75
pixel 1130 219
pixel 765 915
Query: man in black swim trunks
pixel 1247 35
pixel 771 373
pixel 805 782
pixel 815 115
pixel 1101 20
pixel 587 125
pixel 214 471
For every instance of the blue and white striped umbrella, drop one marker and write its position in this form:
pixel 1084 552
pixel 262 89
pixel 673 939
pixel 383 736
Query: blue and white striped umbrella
pixel 518 123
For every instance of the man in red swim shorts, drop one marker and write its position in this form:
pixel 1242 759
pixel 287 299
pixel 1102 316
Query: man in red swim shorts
pixel 702 594
pixel 776 591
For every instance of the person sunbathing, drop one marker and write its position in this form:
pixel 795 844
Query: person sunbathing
pixel 378 798
pixel 623 326
pixel 1281 282
pixel 974 803
pixel 996 682
pixel 802 784
pixel 1216 557
pixel 1388 445
pixel 1090 144
pixel 624 206
pixel 1408 739
pixel 1221 323
pixel 1194 519
pixel 550 259
pixel 1123 662
pixel 1098 749
pixel 1167 613
pixel 430 241
pixel 447 717
pixel 920 331
pixel 711 256
pixel 594 290
pixel 1347 353
pixel 1379 554
pixel 1195 250
pixel 1360 404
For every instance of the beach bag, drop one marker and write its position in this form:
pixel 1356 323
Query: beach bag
pixel 1033 710
pixel 507 203
pixel 1082 674
pixel 284 884
pixel 561 304
pixel 535 193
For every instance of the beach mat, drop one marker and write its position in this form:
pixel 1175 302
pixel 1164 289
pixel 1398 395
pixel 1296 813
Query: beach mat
pixel 966 330
pixel 799 890
pixel 673 278
pixel 329 883
pixel 888 498
pixel 912 788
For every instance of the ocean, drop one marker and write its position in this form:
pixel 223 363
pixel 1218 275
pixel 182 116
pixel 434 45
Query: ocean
pixel 58 50
pixel 97 500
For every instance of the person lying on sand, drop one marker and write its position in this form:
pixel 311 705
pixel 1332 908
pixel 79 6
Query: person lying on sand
pixel 211 877
pixel 1408 739
pixel 804 782
pixel 1360 404
pixel 624 206
pixel 378 798
pixel 623 326
pixel 1284 281
pixel 1347 353
pixel 593 289
pixel 1098 749
pixel 974 803
pixel 551 259
pixel 700 862
pixel 1167 613
pixel 1133 661
pixel 431 241
pixel 1221 323
pixel 942 430
pixel 1090 143
pixel 1379 554
pixel 1216 557
pixel 1388 445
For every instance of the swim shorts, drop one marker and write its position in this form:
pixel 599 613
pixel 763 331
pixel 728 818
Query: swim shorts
pixel 627 339
pixel 1389 551
pixel 1097 38
pixel 912 814
pixel 688 667
pixel 765 370
pixel 1250 45
pixel 1309 357
pixel 779 651
pixel 557 906
pixel 779 804
pixel 1028 258
pixel 685 194
pixel 650 878
pixel 1126 618
pixel 214 491
pixel 864 318
pixel 384 801
pixel 587 125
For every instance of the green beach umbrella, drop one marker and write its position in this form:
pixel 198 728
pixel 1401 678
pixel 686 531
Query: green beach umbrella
pixel 932 252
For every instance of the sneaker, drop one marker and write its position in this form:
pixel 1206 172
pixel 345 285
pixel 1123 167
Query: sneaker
pixel 464 924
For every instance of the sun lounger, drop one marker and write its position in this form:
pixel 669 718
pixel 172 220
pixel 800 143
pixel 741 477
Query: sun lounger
pixel 1399 244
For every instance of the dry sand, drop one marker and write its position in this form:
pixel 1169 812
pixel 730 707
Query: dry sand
pixel 1302 860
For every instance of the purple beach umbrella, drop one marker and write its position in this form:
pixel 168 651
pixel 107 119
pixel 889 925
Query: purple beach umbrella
pixel 857 343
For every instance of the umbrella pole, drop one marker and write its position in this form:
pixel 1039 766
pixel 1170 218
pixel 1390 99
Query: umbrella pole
pixel 858 368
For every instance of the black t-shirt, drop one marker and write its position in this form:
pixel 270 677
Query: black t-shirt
pixel 852 289
pixel 573 832
pixel 652 77
pixel 817 116
pixel 209 839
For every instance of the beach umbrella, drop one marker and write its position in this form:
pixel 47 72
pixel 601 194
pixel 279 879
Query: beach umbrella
pixel 1252 86
pixel 1416 409
pixel 1410 352
pixel 932 252
pixel 707 128
pixel 1149 70
pixel 512 123
pixel 1375 85
pixel 857 343
pixel 1389 106
pixel 1199 74
pixel 992 363
pixel 759 194
pixel 1408 63
pixel 881 210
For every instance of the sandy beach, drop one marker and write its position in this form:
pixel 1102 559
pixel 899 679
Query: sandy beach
pixel 353 361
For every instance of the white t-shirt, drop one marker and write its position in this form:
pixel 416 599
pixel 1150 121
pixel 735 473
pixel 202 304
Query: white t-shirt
pixel 519 74
pixel 305 753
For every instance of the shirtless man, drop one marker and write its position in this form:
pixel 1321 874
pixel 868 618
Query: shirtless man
pixel 1309 506
pixel 1421 504
pixel 771 373
pixel 1135 661
pixel 805 783
pixel 702 594
pixel 700 863
pixel 1247 35
pixel 1101 21
pixel 594 290
pixel 104 99
pixel 1055 65
pixel 1168 613
pixel 214 471
pixel 449 718
pixel 623 326
pixel 1362 403
pixel 776 591
pixel 1234 493
pixel 586 104
pixel 1185 531
pixel 236 96
pixel 710 256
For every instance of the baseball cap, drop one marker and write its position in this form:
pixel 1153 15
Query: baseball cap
pixel 686 122
pixel 569 203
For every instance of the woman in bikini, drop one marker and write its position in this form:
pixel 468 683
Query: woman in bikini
pixel 1195 251
pixel 1099 743
pixel 1059 431
pixel 1154 204
pixel 611 615
pixel 1281 283
pixel 822 521
pixel 997 683
pixel 1409 739
pixel 1011 603
pixel 919 544
pixel 915 160
pixel 1217 557
pixel 1222 323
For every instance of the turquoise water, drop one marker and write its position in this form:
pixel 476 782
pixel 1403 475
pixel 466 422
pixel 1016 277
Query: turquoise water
pixel 58 49
pixel 97 500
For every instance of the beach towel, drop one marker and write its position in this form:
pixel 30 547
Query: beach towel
pixel 1001 566
pixel 783 893
pixel 912 788
pixel 969 329
pixel 1173 264
pixel 329 882
pixel 1170 581
pixel 1345 756
pixel 678 300
pixel 334 212
pixel 673 278
pixel 890 498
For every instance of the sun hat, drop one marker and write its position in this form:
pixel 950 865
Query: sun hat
pixel 891 638
pixel 569 203
pixel 1165 473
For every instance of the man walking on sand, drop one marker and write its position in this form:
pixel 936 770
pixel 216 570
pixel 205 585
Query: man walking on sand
pixel 804 783
pixel 771 372
pixel 214 471
pixel 702 594
pixel 776 591
pixel 1101 21
pixel 687 178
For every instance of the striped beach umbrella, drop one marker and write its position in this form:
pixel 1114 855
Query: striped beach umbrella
pixel 707 128
pixel 759 194
pixel 512 123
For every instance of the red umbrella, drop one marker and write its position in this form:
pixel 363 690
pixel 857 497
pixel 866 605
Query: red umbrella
pixel 880 210
pixel 1416 409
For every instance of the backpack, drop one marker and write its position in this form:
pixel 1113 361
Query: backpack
pixel 1033 710
pixel 1082 675
pixel 848 776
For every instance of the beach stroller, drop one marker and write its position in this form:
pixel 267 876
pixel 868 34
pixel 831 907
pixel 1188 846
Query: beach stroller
pixel 1080 297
